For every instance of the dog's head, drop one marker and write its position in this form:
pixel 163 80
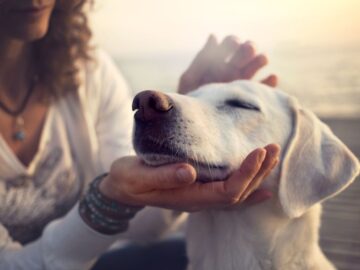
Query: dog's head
pixel 216 126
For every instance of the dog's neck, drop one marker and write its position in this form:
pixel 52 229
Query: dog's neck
pixel 256 237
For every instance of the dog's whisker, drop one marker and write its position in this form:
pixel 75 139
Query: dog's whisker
pixel 209 168
pixel 177 151
pixel 211 177
pixel 196 159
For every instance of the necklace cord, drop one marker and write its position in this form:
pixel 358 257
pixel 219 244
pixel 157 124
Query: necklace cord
pixel 23 104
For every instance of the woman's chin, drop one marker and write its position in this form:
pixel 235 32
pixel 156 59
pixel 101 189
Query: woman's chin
pixel 30 33
pixel 27 29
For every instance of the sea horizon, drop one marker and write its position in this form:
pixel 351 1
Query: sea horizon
pixel 327 81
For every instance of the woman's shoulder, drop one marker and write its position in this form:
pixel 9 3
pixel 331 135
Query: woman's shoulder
pixel 101 80
pixel 101 72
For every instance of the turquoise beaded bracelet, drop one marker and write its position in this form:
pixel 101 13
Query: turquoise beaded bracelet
pixel 103 214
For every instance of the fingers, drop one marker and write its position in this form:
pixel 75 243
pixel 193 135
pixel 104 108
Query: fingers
pixel 241 185
pixel 245 63
pixel 254 66
pixel 199 196
pixel 271 159
pixel 208 63
pixel 168 177
pixel 165 177
pixel 244 54
pixel 227 48
pixel 271 80
pixel 233 70
pixel 228 61
pixel 217 69
pixel 238 183
pixel 205 55
pixel 140 178
pixel 258 196
pixel 199 67
pixel 191 198
pixel 173 186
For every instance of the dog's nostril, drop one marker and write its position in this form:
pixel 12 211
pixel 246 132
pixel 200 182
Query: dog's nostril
pixel 151 105
pixel 136 103
pixel 152 102
pixel 160 103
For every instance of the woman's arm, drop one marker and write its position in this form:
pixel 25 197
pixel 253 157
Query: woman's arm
pixel 66 244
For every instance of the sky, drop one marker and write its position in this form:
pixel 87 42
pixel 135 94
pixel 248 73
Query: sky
pixel 167 26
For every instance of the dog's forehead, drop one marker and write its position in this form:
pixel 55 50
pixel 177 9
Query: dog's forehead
pixel 248 91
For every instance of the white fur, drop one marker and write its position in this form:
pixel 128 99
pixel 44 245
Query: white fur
pixel 281 233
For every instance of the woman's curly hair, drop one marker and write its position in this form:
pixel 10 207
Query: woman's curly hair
pixel 59 52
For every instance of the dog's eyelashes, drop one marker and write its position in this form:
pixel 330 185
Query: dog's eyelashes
pixel 241 104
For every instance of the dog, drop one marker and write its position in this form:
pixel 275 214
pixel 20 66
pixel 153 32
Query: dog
pixel 214 128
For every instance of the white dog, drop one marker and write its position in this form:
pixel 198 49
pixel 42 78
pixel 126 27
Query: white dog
pixel 214 128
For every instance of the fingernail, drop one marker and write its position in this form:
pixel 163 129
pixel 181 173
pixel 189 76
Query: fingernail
pixel 184 175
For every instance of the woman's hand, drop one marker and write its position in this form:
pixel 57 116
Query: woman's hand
pixel 224 62
pixel 173 186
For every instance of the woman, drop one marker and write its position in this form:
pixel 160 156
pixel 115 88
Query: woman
pixel 65 118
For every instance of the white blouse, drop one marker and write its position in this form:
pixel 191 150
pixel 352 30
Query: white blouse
pixel 83 134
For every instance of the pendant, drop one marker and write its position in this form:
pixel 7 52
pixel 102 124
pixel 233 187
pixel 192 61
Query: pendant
pixel 19 133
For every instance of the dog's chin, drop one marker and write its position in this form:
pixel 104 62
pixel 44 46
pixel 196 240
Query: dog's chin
pixel 205 172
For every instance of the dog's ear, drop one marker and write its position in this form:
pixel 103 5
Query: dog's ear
pixel 316 164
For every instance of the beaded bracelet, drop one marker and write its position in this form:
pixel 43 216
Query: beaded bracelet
pixel 103 214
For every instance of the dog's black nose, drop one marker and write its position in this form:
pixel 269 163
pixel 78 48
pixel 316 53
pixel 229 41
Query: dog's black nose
pixel 151 105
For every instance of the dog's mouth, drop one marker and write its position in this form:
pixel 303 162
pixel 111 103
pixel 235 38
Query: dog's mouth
pixel 156 154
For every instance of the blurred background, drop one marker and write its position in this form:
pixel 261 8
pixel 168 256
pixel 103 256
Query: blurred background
pixel 313 46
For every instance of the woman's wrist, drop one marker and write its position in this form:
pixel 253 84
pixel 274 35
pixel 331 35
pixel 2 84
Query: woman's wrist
pixel 107 188
pixel 104 214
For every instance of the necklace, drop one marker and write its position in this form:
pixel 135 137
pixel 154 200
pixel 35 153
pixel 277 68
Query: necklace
pixel 19 133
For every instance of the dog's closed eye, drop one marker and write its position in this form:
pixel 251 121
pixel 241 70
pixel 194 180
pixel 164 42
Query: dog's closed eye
pixel 236 103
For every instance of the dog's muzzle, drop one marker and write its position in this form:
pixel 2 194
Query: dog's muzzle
pixel 161 136
pixel 154 123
